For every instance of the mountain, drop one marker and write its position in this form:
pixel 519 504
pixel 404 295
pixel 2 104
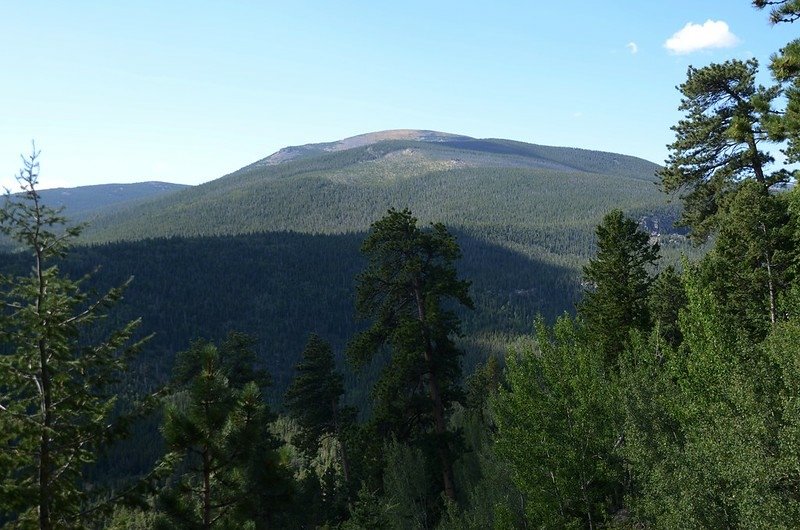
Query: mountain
pixel 539 200
pixel 272 249
pixel 83 203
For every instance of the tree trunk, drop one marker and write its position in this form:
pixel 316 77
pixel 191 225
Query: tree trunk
pixel 343 451
pixel 206 490
pixel 772 305
pixel 436 398
pixel 45 478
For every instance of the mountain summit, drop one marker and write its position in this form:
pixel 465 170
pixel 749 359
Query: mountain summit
pixel 415 135
pixel 541 200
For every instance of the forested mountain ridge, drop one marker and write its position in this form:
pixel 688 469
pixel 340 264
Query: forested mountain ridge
pixel 667 399
pixel 523 214
pixel 82 203
pixel 542 201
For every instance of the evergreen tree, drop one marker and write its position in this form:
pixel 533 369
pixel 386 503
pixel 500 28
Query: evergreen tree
pixel 57 391
pixel 748 268
pixel 780 10
pixel 313 401
pixel 717 145
pixel 615 301
pixel 408 289
pixel 667 298
pixel 220 450
pixel 367 512
pixel 491 499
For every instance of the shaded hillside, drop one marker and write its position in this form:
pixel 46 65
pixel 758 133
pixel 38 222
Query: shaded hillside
pixel 282 286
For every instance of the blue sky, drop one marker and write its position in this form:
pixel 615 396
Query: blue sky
pixel 189 91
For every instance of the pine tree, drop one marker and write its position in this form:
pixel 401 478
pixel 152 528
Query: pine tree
pixel 618 279
pixel 748 268
pixel 407 289
pixel 220 450
pixel 667 298
pixel 718 143
pixel 313 400
pixel 57 391
pixel 780 10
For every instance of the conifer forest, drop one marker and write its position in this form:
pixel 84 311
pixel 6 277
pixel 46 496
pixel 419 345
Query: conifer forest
pixel 436 332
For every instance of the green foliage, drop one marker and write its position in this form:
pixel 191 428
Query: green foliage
pixel 701 425
pixel 219 448
pixel 785 126
pixel 748 267
pixel 667 298
pixel 312 399
pixel 717 143
pixel 782 348
pixel 407 483
pixel 313 402
pixel 783 10
pixel 483 383
pixel 58 406
pixel 407 289
pixel 487 494
pixel 124 518
pixel 619 280
pixel 558 427
pixel 367 512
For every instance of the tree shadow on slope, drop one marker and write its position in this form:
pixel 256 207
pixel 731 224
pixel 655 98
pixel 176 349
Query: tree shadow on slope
pixel 279 287
pixel 282 286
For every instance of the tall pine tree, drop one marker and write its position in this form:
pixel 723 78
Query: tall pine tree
pixel 409 289
pixel 57 390
pixel 719 143
pixel 313 400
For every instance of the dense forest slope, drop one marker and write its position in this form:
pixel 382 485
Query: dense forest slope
pixel 541 201
pixel 280 287
pixel 273 248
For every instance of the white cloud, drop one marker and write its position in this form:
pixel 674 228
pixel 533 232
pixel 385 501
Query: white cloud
pixel 695 37
pixel 633 47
